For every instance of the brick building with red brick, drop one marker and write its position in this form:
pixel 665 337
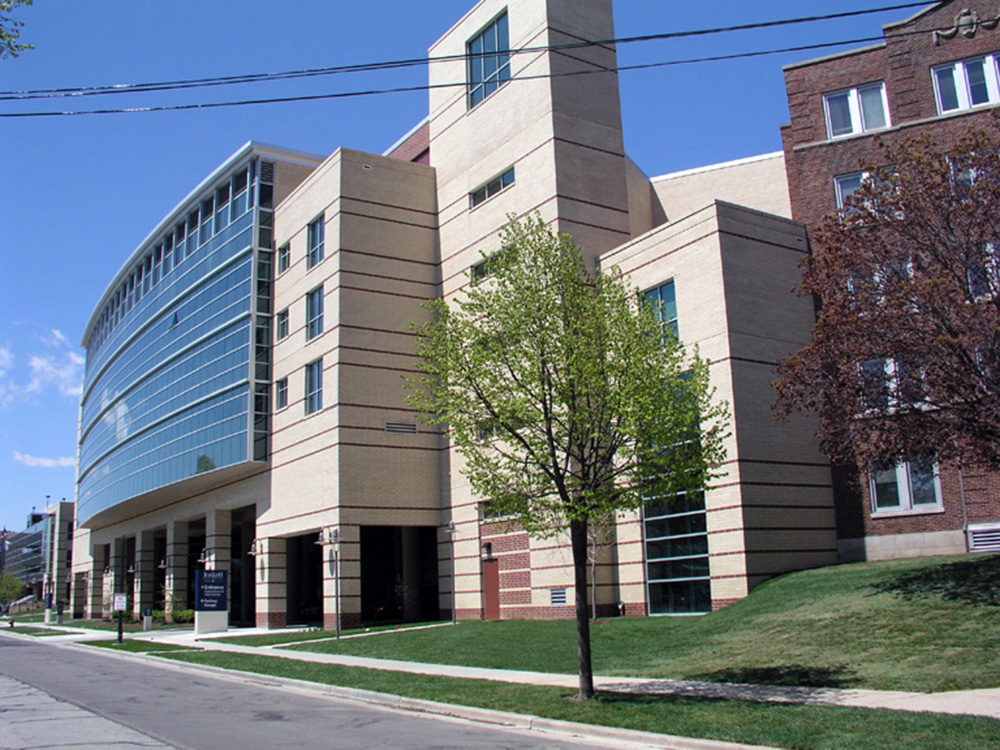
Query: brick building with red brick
pixel 936 72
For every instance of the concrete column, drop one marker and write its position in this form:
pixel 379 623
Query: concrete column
pixel 145 571
pixel 218 545
pixel 271 575
pixel 94 584
pixel 177 567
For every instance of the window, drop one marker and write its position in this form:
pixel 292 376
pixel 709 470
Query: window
pixel 846 185
pixel 856 110
pixel 491 188
pixel 677 568
pixel 281 394
pixel 314 386
pixel 890 383
pixel 663 300
pixel 314 313
pixel 488 60
pixel 913 486
pixel 317 230
pixel 281 325
pixel 284 257
pixel 982 272
pixel 966 84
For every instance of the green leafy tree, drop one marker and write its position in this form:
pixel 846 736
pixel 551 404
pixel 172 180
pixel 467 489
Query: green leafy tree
pixel 565 398
pixel 10 30
pixel 10 588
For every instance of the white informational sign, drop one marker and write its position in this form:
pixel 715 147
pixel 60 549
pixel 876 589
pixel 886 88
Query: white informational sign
pixel 120 603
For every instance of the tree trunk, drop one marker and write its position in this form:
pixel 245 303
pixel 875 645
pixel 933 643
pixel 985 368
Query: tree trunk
pixel 578 535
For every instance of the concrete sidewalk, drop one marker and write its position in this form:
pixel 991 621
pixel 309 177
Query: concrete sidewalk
pixel 969 702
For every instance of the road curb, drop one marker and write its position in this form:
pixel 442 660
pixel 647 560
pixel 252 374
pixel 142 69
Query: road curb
pixel 525 722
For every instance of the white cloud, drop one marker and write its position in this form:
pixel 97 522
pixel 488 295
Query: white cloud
pixel 44 463
pixel 64 372
pixel 61 370
pixel 58 338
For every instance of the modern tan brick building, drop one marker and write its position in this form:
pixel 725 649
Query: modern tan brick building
pixel 286 453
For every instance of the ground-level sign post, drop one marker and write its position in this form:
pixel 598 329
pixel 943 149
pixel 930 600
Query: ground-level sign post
pixel 118 604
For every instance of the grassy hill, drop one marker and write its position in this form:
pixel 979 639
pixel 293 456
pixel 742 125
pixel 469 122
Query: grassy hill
pixel 930 624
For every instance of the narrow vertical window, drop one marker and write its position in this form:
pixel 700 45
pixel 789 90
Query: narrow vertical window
pixel 281 324
pixel 488 55
pixel 663 300
pixel 284 258
pixel 314 386
pixel 280 394
pixel 314 313
pixel 316 232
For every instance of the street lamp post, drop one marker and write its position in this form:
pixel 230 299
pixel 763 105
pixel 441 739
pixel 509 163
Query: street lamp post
pixel 450 530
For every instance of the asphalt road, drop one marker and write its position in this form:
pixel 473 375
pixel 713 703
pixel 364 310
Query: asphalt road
pixel 194 711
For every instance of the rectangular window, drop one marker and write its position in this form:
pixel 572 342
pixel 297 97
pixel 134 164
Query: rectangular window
pixel 240 194
pixel 677 568
pixel 856 110
pixel 281 324
pixel 284 258
pixel 846 185
pixel 663 300
pixel 488 55
pixel 314 386
pixel 316 232
pixel 281 394
pixel 314 313
pixel 982 272
pixel 913 486
pixel 491 188
pixel 207 207
pixel 221 208
pixel 966 84
pixel 890 384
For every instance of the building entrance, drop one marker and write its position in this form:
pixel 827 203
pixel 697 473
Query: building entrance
pixel 305 580
pixel 399 574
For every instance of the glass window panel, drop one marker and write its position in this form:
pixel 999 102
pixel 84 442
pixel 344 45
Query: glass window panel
pixel 872 109
pixel 975 73
pixel 923 485
pixel 838 109
pixel 947 92
pixel 886 489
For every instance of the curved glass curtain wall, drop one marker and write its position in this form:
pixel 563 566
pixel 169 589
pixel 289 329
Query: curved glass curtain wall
pixel 178 361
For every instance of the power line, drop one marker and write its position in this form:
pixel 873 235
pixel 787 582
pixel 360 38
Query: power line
pixel 429 87
pixel 394 64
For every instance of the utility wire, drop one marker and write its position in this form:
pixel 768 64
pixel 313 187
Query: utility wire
pixel 388 65
pixel 429 87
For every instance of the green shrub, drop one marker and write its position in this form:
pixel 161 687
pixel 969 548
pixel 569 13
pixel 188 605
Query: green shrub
pixel 158 616
pixel 182 616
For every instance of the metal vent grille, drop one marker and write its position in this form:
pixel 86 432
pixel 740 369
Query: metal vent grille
pixel 558 597
pixel 984 537
pixel 267 171
pixel 401 428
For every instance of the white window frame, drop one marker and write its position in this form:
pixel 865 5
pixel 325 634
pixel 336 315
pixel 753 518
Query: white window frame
pixel 858 123
pixel 281 324
pixel 838 185
pixel 892 372
pixel 280 394
pixel 904 485
pixel 960 76
pixel 314 387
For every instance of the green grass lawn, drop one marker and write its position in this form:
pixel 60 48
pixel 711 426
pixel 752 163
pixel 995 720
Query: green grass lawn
pixel 776 725
pixel 313 635
pixel 39 632
pixel 138 647
pixel 930 624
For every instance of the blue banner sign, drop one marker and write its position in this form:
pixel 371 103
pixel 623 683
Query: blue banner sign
pixel 210 591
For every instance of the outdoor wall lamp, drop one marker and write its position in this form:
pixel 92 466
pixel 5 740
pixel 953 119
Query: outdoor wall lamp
pixel 488 550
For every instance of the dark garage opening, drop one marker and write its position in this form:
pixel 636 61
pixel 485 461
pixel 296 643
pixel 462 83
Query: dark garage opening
pixel 399 575
pixel 305 580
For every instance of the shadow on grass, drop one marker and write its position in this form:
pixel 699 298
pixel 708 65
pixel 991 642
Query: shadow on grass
pixel 791 675
pixel 968 581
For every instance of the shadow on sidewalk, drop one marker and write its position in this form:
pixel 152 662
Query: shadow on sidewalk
pixel 791 675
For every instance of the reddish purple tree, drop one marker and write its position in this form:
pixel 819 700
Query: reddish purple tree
pixel 905 357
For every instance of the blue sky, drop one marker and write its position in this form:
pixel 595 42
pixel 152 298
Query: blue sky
pixel 78 194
